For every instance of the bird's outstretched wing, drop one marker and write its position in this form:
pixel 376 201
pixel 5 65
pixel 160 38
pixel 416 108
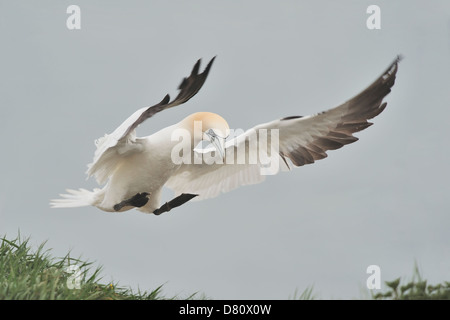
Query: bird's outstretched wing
pixel 123 140
pixel 302 140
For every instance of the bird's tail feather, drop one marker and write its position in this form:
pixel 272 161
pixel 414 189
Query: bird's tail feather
pixel 76 198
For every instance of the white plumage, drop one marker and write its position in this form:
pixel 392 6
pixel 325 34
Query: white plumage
pixel 134 170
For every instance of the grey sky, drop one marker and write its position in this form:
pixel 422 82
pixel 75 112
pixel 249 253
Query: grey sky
pixel 382 200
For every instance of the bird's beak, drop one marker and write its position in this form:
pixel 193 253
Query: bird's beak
pixel 217 142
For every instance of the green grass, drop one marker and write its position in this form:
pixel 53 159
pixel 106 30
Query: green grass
pixel 307 294
pixel 414 289
pixel 36 275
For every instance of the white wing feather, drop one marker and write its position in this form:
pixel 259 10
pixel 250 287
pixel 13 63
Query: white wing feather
pixel 302 140
pixel 122 142
pixel 112 146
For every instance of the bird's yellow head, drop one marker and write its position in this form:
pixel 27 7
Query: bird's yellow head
pixel 211 126
pixel 209 121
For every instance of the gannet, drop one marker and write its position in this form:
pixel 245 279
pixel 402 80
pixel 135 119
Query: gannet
pixel 133 170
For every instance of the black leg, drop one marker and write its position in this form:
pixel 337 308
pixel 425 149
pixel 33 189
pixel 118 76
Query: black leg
pixel 138 200
pixel 176 202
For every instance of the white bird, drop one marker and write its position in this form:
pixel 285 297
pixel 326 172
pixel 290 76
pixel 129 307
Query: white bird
pixel 134 170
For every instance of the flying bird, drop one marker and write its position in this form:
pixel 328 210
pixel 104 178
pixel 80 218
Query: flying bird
pixel 133 170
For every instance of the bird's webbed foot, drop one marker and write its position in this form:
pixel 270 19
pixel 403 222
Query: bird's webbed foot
pixel 138 200
pixel 176 202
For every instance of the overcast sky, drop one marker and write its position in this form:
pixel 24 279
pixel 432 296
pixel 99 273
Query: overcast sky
pixel 382 200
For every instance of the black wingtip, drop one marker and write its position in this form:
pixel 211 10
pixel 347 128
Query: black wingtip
pixel 165 100
pixel 210 63
pixel 196 67
pixel 392 69
pixel 291 118
pixel 182 84
pixel 195 72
